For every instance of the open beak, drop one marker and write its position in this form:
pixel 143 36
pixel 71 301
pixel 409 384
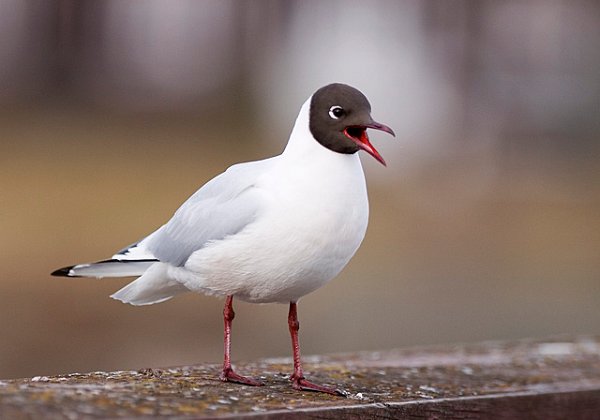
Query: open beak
pixel 358 134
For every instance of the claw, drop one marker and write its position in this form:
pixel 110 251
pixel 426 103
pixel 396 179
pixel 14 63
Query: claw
pixel 304 385
pixel 228 375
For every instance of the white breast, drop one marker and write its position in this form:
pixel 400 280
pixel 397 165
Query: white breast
pixel 302 240
pixel 313 221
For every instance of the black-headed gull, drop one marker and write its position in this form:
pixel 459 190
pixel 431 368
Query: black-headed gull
pixel 266 231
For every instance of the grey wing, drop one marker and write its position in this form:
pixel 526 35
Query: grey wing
pixel 222 207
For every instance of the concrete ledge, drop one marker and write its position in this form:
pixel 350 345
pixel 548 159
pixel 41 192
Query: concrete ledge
pixel 554 378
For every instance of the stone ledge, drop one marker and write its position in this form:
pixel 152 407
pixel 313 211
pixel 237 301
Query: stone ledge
pixel 554 378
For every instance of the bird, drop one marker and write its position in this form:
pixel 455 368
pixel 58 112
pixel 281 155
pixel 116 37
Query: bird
pixel 266 231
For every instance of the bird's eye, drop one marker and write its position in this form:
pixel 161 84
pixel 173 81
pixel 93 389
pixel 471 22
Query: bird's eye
pixel 336 112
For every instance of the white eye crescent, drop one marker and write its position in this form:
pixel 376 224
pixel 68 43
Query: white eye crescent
pixel 336 112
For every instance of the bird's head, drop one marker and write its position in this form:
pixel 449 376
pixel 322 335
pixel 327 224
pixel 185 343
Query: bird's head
pixel 339 118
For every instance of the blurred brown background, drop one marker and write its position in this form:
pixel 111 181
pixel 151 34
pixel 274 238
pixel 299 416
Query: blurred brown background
pixel 485 225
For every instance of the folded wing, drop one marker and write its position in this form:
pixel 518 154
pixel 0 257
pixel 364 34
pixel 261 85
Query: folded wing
pixel 222 207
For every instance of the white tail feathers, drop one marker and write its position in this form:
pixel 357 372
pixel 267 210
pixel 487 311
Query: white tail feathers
pixel 108 268
pixel 154 286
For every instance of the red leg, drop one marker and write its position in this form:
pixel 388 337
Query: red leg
pixel 228 375
pixel 298 380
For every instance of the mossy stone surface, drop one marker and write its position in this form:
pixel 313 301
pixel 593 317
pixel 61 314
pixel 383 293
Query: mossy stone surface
pixel 373 381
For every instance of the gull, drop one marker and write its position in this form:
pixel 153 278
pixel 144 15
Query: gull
pixel 268 231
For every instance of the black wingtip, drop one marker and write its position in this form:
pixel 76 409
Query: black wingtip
pixel 62 272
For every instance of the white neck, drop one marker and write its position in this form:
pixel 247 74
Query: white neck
pixel 303 145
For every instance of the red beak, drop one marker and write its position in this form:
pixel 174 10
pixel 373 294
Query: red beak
pixel 358 134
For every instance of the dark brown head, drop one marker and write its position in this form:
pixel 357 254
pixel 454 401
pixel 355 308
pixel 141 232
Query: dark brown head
pixel 339 118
